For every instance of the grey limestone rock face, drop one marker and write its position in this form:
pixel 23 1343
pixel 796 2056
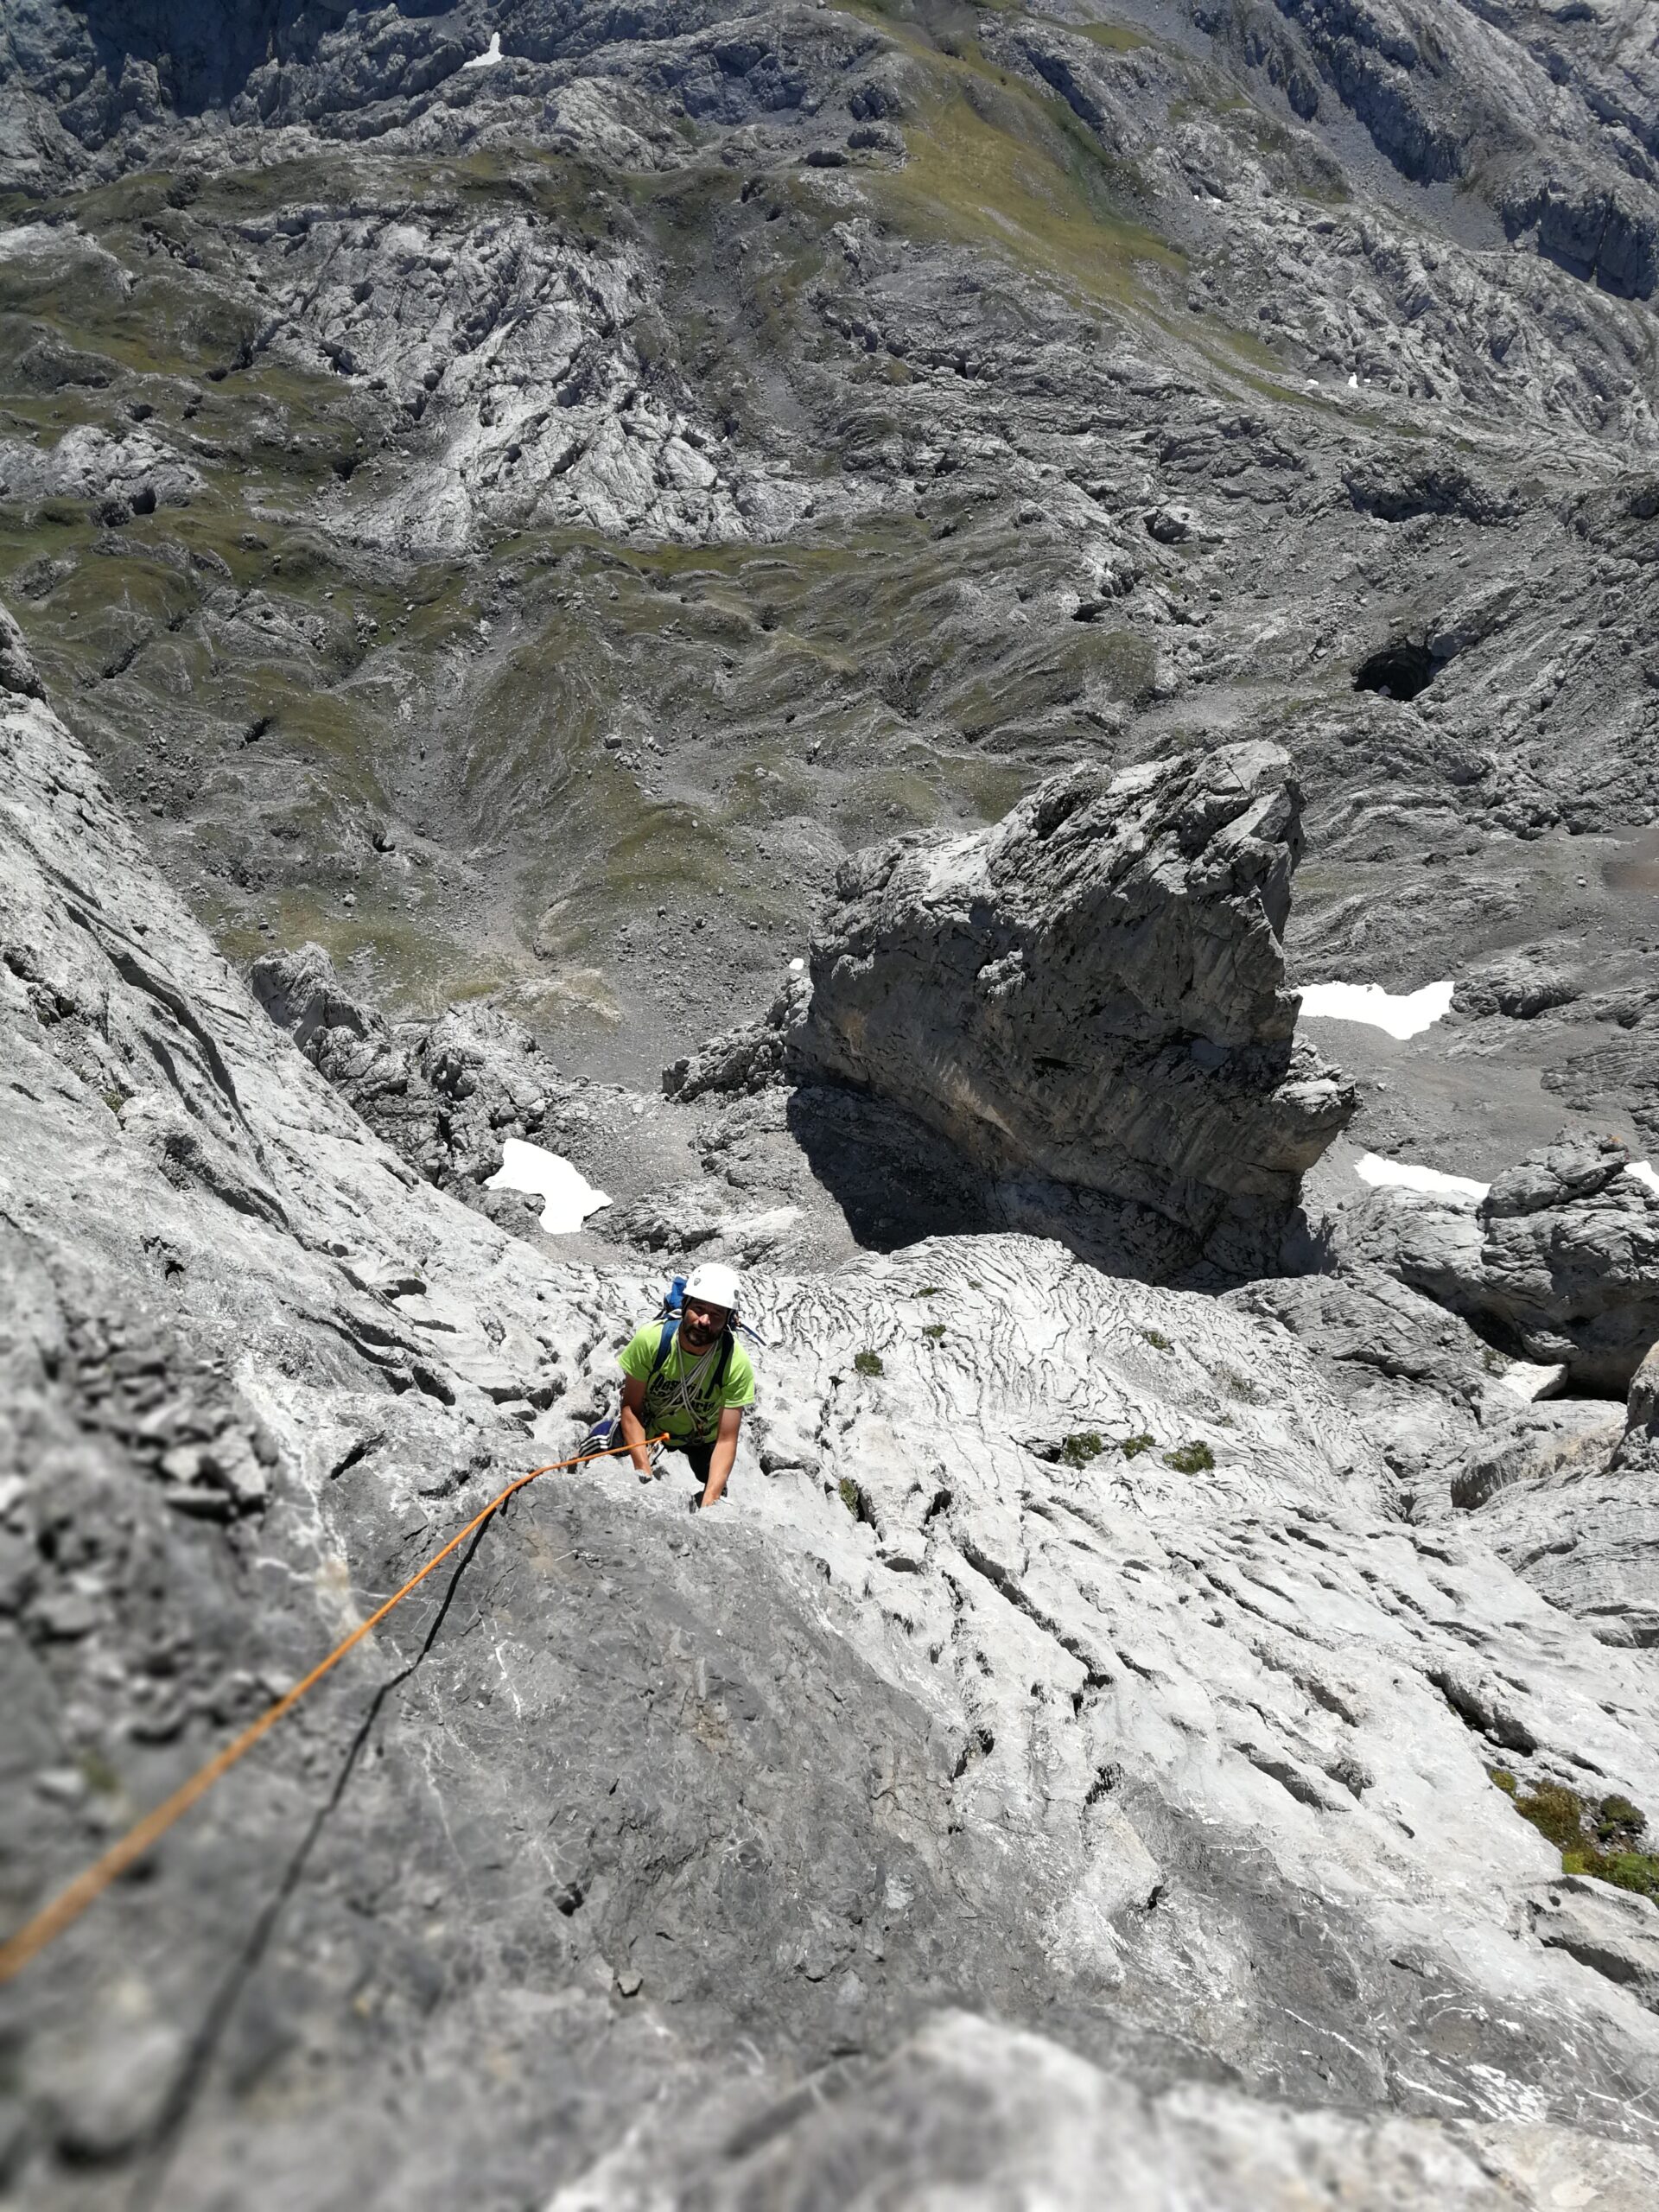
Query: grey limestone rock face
pixel 998 2117
pixel 1613 1930
pixel 1415 1376
pixel 1570 1260
pixel 1561 1259
pixel 16 669
pixel 746 1058
pixel 1558 1438
pixel 445 1095
pixel 1640 1444
pixel 1555 1266
pixel 1558 1499
pixel 1557 126
pixel 471 502
pixel 1063 1654
pixel 534 407
pixel 1091 994
pixel 123 475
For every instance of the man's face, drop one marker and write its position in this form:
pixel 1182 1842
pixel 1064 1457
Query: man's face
pixel 701 1323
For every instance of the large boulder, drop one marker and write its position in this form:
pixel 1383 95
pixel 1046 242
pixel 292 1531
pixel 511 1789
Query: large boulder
pixel 1559 1262
pixel 1570 1257
pixel 1090 997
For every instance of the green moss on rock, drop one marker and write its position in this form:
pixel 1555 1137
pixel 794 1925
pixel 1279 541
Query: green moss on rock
pixel 1190 1459
pixel 1580 1830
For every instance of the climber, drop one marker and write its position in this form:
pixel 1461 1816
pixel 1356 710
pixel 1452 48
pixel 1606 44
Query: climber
pixel 690 1376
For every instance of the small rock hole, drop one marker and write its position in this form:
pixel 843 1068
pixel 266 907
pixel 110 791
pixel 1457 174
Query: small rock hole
pixel 1401 670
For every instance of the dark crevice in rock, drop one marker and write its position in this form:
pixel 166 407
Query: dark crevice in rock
pixel 1400 671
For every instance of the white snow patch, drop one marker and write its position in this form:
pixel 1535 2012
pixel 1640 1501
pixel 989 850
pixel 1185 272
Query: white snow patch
pixel 570 1198
pixel 797 967
pixel 1403 1175
pixel 1644 1172
pixel 1402 1014
pixel 486 59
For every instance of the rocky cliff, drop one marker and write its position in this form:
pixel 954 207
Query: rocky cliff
pixel 502 505
pixel 1089 1003
pixel 1063 1655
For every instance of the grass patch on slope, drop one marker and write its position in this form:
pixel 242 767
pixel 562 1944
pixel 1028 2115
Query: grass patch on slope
pixel 997 166
pixel 1113 38
pixel 1601 1838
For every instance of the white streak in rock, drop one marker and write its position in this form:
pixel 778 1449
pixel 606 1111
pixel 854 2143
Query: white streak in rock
pixel 1403 1175
pixel 1402 1015
pixel 571 1196
pixel 1528 1380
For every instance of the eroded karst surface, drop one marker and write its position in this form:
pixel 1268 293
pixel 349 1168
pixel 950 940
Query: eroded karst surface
pixel 929 573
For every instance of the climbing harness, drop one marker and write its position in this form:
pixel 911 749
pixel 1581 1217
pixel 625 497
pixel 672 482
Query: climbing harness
pixel 51 1921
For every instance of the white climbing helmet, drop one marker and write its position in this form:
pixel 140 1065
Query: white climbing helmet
pixel 718 1284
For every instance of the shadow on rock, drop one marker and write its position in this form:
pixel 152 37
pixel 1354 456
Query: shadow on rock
pixel 892 1179
pixel 895 1183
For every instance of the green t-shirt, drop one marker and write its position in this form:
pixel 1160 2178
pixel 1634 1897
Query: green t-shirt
pixel 664 1407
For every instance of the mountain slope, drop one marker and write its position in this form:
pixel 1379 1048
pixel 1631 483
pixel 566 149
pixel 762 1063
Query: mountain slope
pixel 626 476
pixel 1064 1656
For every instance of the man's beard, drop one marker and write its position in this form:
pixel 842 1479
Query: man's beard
pixel 697 1338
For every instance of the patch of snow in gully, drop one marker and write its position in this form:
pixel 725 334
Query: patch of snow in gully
pixel 570 1198
pixel 1401 1175
pixel 1526 1380
pixel 484 62
pixel 1644 1172
pixel 1402 1015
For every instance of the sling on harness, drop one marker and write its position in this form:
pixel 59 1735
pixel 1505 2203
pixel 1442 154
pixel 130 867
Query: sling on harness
pixel 686 1391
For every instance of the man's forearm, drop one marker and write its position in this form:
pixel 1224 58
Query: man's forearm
pixel 720 1465
pixel 633 1435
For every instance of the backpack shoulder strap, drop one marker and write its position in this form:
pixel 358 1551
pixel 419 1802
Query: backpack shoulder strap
pixel 715 1404
pixel 665 1343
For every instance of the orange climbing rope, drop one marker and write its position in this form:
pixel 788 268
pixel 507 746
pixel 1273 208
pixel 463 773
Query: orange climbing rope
pixel 34 1937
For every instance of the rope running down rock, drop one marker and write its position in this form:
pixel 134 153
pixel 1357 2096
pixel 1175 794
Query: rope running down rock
pixel 51 1921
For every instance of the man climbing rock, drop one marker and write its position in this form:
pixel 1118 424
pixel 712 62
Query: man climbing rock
pixel 689 1375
